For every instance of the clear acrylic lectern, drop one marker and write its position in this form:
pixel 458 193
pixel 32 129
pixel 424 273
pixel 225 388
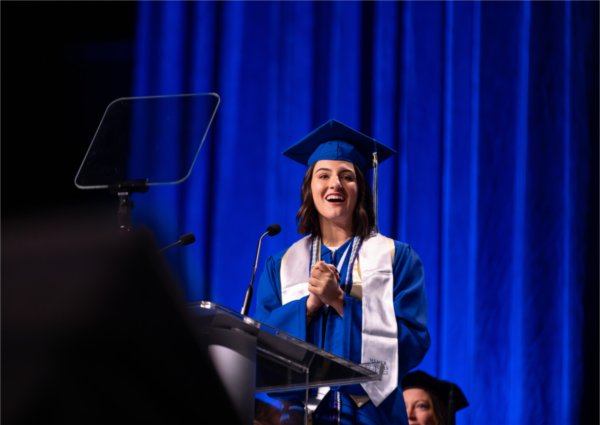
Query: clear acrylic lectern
pixel 251 356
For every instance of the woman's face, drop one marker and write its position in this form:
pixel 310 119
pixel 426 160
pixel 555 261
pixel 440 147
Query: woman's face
pixel 419 407
pixel 334 190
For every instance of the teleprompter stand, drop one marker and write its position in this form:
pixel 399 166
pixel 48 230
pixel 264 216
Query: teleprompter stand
pixel 146 141
pixel 251 356
pixel 124 191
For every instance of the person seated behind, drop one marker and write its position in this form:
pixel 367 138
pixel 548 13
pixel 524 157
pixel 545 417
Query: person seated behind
pixel 431 401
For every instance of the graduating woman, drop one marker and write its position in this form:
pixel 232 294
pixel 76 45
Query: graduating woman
pixel 344 287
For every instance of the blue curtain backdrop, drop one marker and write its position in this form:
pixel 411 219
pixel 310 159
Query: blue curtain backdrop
pixel 493 109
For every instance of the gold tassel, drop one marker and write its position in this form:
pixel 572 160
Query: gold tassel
pixel 375 208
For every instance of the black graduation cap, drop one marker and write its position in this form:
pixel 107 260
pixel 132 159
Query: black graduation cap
pixel 448 393
pixel 336 141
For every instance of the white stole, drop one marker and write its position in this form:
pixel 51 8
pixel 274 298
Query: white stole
pixel 379 327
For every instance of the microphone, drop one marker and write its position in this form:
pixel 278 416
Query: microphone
pixel 186 239
pixel 272 230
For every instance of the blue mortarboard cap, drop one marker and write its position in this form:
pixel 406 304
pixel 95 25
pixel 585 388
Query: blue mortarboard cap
pixel 336 141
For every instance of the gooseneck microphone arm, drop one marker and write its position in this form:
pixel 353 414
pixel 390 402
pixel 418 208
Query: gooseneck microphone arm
pixel 272 230
pixel 183 240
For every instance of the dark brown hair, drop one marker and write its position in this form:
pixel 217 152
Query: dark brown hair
pixel 363 217
pixel 440 409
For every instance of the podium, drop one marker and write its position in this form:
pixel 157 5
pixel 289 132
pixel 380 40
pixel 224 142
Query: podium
pixel 251 356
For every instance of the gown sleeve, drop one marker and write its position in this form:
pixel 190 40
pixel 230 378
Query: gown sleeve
pixel 410 306
pixel 291 317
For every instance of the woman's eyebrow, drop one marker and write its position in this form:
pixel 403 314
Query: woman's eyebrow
pixel 344 170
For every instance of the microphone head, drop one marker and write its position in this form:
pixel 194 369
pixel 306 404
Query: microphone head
pixel 187 239
pixel 273 229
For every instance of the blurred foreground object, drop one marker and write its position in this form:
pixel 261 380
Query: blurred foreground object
pixel 94 329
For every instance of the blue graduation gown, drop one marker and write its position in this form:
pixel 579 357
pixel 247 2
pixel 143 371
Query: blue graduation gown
pixel 342 335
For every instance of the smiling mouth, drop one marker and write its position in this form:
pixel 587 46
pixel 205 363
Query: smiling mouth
pixel 334 199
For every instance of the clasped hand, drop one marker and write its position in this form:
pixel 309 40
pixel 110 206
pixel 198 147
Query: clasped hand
pixel 324 288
